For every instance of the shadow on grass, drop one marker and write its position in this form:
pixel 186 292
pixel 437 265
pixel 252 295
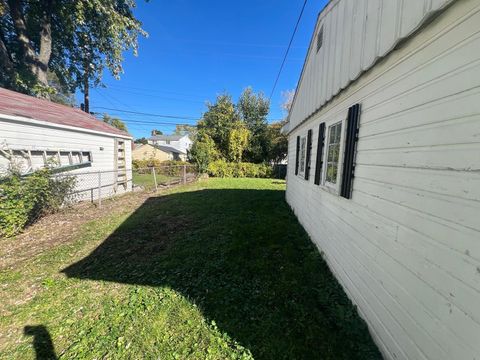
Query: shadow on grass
pixel 42 342
pixel 243 258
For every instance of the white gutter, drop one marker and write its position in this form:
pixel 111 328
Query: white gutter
pixel 30 121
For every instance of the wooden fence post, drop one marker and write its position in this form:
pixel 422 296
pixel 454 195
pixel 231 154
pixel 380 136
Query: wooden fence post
pixel 154 178
pixel 184 174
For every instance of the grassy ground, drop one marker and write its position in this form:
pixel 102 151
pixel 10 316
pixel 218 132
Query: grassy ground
pixel 215 270
pixel 146 180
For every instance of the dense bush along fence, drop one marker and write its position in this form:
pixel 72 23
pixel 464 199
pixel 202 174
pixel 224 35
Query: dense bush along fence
pixel 25 199
pixel 221 168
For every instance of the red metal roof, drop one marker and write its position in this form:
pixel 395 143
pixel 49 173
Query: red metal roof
pixel 16 104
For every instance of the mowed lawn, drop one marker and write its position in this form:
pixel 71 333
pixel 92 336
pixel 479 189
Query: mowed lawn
pixel 219 269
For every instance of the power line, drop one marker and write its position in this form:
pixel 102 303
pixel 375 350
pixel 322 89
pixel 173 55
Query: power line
pixel 288 49
pixel 148 114
pixel 162 123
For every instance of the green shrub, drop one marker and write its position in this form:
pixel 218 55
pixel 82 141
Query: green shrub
pixel 222 168
pixel 23 200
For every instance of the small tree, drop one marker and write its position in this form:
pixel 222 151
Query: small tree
pixel 141 141
pixel 278 142
pixel 115 122
pixel 156 132
pixel 238 142
pixel 218 121
pixel 203 152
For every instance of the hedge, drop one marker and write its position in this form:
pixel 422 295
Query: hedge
pixel 221 168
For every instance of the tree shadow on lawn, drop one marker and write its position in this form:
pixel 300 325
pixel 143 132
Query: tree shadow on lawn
pixel 243 258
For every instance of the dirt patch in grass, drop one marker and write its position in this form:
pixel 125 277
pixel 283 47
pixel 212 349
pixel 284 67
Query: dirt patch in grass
pixel 60 228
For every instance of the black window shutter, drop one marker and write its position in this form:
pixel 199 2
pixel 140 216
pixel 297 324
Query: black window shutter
pixel 320 145
pixel 297 154
pixel 309 154
pixel 350 149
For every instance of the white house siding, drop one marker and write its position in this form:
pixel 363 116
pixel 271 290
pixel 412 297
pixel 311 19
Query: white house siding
pixel 19 134
pixel 356 34
pixel 406 246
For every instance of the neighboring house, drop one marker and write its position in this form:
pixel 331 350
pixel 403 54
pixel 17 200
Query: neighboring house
pixel 158 152
pixel 35 132
pixel 179 142
pixel 384 167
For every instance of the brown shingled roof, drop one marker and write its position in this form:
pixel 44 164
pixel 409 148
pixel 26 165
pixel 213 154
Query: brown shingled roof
pixel 16 104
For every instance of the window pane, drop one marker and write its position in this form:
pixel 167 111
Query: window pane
pixel 335 132
pixel 303 146
pixel 332 170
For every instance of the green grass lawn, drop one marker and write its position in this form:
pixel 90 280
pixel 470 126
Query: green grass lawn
pixel 219 269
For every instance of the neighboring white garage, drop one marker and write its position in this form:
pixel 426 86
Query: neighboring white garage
pixel 34 132
pixel 384 167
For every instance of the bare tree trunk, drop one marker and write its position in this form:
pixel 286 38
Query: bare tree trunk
pixel 45 52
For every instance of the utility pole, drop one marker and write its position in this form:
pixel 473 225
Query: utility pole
pixel 86 89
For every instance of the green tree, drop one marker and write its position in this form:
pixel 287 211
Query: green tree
pixel 217 122
pixel 61 93
pixel 253 110
pixel 203 151
pixel 277 142
pixel 156 132
pixel 238 141
pixel 141 141
pixel 76 40
pixel 115 122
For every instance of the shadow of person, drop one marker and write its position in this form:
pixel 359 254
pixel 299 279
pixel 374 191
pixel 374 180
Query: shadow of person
pixel 42 342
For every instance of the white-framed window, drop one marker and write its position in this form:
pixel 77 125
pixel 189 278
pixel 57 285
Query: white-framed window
pixel 303 156
pixel 333 155
pixel 336 153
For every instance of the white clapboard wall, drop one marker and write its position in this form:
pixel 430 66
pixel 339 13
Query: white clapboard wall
pixel 35 137
pixel 406 246
pixel 356 33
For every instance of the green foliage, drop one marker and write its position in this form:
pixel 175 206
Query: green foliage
pixel 24 200
pixel 115 122
pixel 253 110
pixel 221 168
pixel 233 132
pixel 156 132
pixel 73 39
pixel 277 142
pixel 62 94
pixel 220 118
pixel 142 141
pixel 238 141
pixel 203 151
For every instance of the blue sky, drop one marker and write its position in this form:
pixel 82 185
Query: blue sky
pixel 198 49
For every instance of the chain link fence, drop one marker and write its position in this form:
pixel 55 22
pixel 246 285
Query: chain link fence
pixel 94 186
pixel 154 178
